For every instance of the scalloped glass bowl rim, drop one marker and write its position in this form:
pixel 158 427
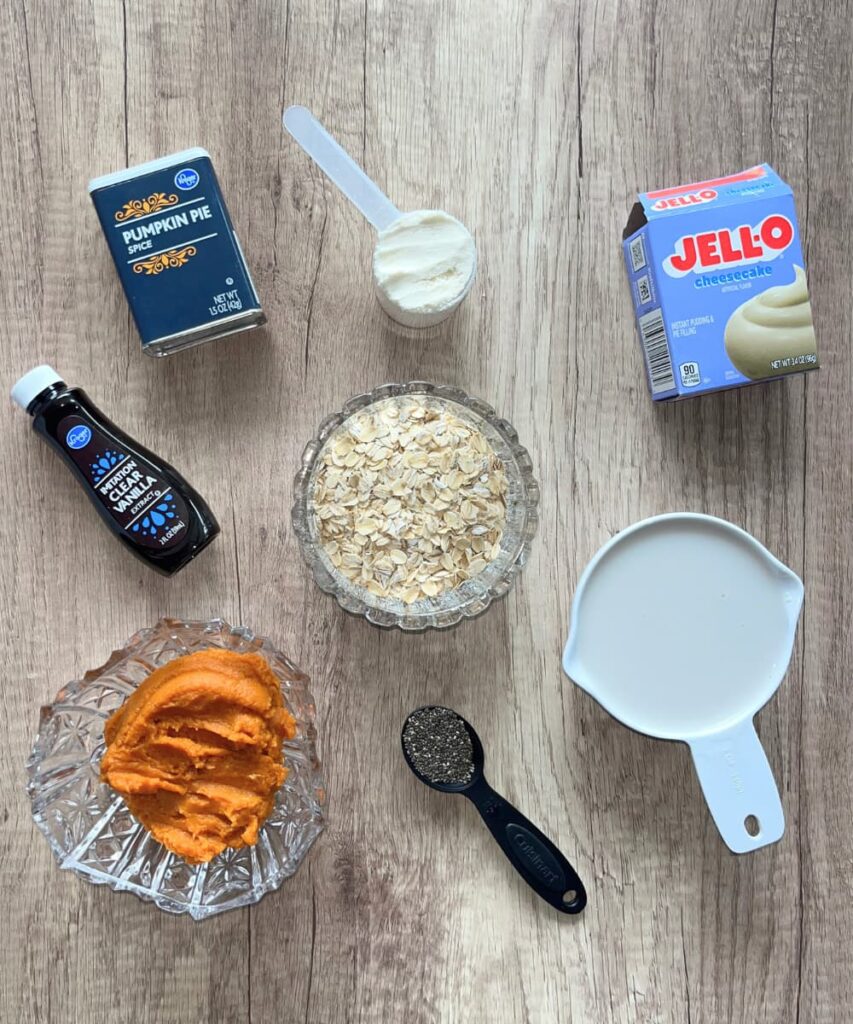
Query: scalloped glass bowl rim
pixel 216 627
pixel 475 596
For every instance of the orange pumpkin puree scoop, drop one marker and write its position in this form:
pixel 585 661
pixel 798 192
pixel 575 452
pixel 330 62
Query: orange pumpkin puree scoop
pixel 196 751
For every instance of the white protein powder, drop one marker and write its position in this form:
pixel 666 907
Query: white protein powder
pixel 423 267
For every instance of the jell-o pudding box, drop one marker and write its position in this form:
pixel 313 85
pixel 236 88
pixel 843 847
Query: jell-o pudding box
pixel 719 284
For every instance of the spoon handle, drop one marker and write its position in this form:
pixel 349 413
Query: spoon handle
pixel 531 853
pixel 340 167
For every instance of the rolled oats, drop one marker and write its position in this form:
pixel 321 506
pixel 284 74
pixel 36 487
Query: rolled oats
pixel 409 500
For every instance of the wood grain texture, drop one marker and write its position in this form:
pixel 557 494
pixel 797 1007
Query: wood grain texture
pixel 536 124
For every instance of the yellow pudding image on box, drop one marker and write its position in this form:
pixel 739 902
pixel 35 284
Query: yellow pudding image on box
pixel 772 332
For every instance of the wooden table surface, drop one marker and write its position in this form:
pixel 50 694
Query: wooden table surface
pixel 536 123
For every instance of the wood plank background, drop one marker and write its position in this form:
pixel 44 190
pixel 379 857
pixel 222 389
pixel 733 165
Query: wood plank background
pixel 536 123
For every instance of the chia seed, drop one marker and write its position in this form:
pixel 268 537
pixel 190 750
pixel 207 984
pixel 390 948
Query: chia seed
pixel 439 746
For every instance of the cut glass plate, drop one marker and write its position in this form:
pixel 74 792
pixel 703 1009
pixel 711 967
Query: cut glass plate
pixel 93 834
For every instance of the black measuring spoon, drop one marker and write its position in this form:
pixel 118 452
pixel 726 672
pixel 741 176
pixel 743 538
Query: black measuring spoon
pixel 531 853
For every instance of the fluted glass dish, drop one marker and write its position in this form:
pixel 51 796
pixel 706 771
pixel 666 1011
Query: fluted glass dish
pixel 92 833
pixel 474 596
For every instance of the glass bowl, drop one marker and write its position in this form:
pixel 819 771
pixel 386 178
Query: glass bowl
pixel 93 834
pixel 474 596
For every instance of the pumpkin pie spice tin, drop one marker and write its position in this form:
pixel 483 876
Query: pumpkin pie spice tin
pixel 176 252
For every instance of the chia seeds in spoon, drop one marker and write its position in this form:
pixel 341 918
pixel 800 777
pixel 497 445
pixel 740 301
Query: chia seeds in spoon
pixel 439 746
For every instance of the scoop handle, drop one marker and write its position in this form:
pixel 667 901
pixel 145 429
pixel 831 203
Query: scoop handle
pixel 340 167
pixel 531 853
pixel 738 784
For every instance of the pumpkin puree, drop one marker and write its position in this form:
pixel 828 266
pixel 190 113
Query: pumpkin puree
pixel 196 751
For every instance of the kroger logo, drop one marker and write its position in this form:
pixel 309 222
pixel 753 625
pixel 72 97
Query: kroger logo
pixel 186 179
pixel 78 437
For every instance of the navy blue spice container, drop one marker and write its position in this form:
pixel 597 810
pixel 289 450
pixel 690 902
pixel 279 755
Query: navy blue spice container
pixel 174 246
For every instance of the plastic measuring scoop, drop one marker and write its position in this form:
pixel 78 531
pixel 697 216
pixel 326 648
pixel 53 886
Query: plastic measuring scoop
pixel 424 261
pixel 682 627
pixel 340 167
pixel 539 862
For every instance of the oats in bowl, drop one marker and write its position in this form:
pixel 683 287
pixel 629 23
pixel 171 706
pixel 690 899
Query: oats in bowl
pixel 410 500
pixel 415 506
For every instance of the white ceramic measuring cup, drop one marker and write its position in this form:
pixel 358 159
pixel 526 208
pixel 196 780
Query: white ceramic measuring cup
pixel 682 627
pixel 424 261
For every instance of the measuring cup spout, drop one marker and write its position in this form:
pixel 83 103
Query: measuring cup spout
pixel 571 663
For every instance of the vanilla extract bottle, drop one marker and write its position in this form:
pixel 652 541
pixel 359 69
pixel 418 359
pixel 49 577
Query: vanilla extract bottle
pixel 144 501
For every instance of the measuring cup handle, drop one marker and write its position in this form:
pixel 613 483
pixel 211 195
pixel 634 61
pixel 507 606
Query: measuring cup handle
pixel 531 853
pixel 739 786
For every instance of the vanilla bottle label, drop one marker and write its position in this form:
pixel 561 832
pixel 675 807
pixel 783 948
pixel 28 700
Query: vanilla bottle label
pixel 138 499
